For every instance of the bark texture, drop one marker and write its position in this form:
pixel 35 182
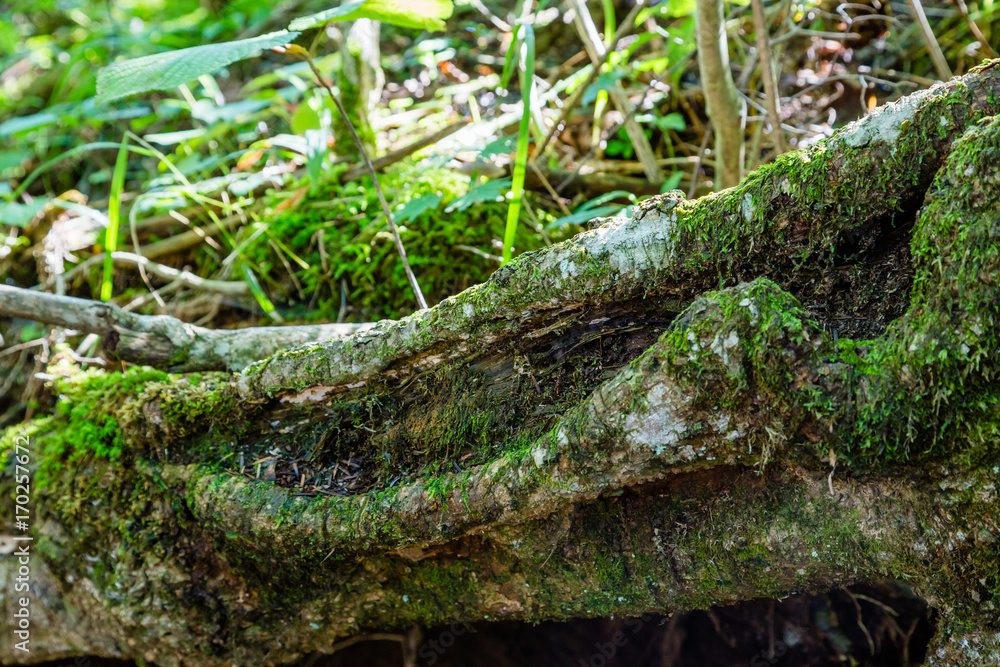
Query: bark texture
pixel 786 386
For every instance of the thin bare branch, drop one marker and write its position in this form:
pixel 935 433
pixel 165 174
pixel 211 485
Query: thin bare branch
pixel 161 340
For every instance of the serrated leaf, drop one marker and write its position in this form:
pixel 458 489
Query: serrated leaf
pixel 165 71
pixel 420 14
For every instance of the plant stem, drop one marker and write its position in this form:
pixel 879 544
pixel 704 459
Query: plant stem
pixel 937 55
pixel 768 75
pixel 371 170
pixel 725 109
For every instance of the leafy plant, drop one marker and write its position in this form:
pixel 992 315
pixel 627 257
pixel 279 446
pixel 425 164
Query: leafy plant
pixel 174 68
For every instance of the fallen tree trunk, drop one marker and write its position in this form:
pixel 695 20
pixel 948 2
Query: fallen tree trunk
pixel 786 386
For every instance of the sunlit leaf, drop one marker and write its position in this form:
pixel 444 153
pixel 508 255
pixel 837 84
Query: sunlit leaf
pixel 171 138
pixel 210 113
pixel 420 14
pixel 669 9
pixel 165 71
pixel 291 142
pixel 317 143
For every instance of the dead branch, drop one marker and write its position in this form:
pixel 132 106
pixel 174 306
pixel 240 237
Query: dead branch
pixel 160 340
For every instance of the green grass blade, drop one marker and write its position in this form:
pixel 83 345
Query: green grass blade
pixel 258 292
pixel 609 21
pixel 523 136
pixel 114 212
pixel 510 62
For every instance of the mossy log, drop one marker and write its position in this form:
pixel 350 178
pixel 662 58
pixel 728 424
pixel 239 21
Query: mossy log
pixel 787 386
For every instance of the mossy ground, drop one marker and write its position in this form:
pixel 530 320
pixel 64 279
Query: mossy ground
pixel 339 233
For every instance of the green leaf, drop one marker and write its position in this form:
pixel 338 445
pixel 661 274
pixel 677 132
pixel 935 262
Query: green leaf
pixel 416 207
pixel 488 191
pixel 317 144
pixel 168 70
pixel 19 215
pixel 669 9
pixel 594 208
pixel 33 331
pixel 14 159
pixel 673 182
pixel 24 123
pixel 584 215
pixel 172 138
pixel 605 81
pixel 291 142
pixel 210 114
pixel 420 14
pixel 510 62
pixel 672 121
pixel 502 146
pixel 342 13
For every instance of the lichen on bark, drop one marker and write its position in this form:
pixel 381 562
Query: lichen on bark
pixel 663 413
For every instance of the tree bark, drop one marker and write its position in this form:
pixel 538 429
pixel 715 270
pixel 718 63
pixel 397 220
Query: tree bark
pixel 787 386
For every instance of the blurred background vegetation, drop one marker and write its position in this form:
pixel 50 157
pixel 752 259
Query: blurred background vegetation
pixel 247 178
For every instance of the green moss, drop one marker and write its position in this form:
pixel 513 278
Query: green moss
pixel 930 382
pixel 88 414
pixel 338 233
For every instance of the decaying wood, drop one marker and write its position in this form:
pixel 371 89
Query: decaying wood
pixel 786 386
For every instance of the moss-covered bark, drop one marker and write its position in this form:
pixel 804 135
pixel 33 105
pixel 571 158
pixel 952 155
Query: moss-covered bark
pixel 712 401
